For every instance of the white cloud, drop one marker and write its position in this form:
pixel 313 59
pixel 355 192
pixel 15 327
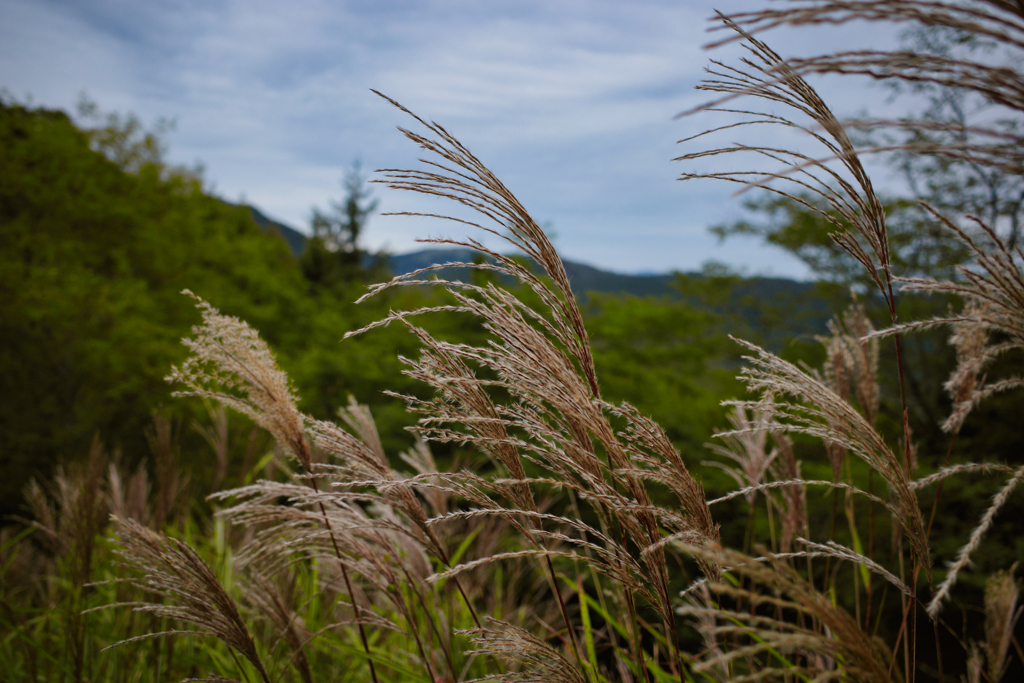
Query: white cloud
pixel 571 103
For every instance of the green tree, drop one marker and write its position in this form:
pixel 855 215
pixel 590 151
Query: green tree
pixel 668 358
pixel 333 254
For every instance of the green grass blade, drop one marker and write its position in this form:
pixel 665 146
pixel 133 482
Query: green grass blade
pixel 17 631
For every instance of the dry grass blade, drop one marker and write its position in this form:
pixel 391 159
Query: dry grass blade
pixel 974 19
pixel 650 448
pixel 70 511
pixel 820 412
pixel 971 341
pixel 467 181
pixel 789 596
pixel 363 462
pixel 542 361
pixel 837 375
pixel 837 551
pixel 794 497
pixel 606 555
pixel 746 445
pixel 376 543
pixel 960 469
pixel 557 422
pixel 993 290
pixel 519 647
pixel 232 365
pixel 998 21
pixel 989 148
pixel 128 498
pixel 1004 26
pixel 851 360
pixel 849 194
pixel 556 389
pixel 699 603
pixel 1000 84
pixel 174 571
pixel 785 483
pixel 852 331
pixel 964 556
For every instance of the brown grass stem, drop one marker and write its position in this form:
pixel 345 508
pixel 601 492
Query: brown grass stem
pixel 348 583
pixel 565 614
pixel 445 647
pixel 871 542
pixel 938 490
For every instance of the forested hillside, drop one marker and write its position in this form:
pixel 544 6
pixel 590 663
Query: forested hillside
pixel 98 238
pixel 94 255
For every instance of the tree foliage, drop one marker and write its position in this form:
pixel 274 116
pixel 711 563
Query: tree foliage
pixel 99 237
pixel 333 253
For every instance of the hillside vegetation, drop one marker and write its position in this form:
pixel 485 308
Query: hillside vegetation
pixel 98 238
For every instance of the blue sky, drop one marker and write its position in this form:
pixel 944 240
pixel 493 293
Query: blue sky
pixel 570 103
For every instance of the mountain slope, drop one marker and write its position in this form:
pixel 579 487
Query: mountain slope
pixel 584 278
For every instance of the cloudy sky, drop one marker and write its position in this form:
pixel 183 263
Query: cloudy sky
pixel 570 102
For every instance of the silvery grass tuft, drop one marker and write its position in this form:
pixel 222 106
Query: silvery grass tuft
pixel 172 570
pixel 1001 615
pixel 546 665
pixel 529 401
pixel 816 636
pixel 557 418
pixel 992 282
pixel 233 366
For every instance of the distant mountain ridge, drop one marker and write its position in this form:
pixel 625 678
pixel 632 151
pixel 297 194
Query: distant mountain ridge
pixel 583 278
pixel 804 311
pixel 295 239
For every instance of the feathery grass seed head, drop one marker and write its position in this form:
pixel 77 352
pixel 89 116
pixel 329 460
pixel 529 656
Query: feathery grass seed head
pixel 232 365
